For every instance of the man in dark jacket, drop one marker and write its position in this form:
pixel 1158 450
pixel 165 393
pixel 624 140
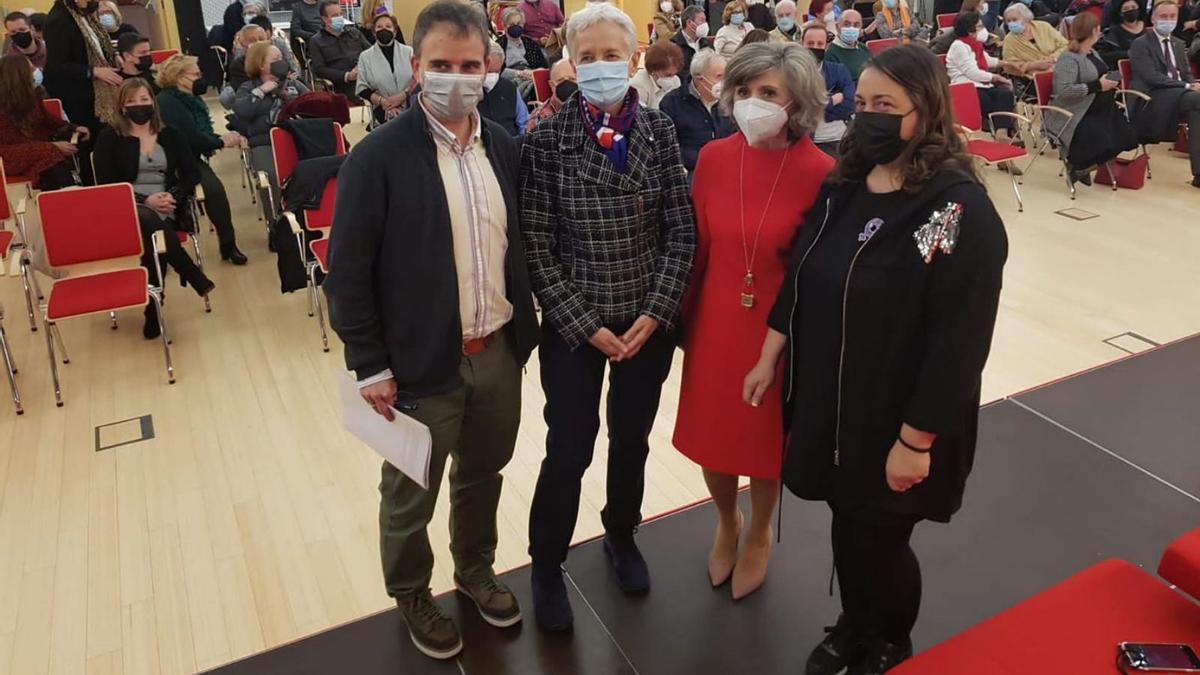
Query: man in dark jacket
pixel 133 56
pixel 610 233
pixel 1160 69
pixel 430 294
pixel 501 102
pixel 334 50
pixel 692 37
pixel 693 108
pixel 828 134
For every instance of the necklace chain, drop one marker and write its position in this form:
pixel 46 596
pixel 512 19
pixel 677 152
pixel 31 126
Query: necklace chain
pixel 750 254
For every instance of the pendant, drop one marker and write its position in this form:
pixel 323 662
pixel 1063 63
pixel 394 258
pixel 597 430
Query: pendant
pixel 748 279
pixel 748 294
pixel 747 300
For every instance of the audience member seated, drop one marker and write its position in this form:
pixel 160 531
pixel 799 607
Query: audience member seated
pixel 1031 46
pixel 111 21
pixel 334 50
pixel 1077 7
pixel 786 29
pixel 734 30
pixel 501 102
pixel 231 23
pixel 666 20
pixel 183 110
pixel 692 36
pixel 32 143
pixel 826 12
pixel 941 43
pixel 846 49
pixel 368 12
pixel 840 86
pixel 894 19
pixel 694 110
pixel 1160 69
pixel 79 58
pixel 22 40
pixel 256 14
pixel 660 76
pixel 306 20
pixel 1130 24
pixel 522 55
pixel 1189 20
pixel 760 15
pixel 133 59
pixel 140 150
pixel 562 87
pixel 235 72
pixel 967 62
pixel 259 100
pixel 385 76
pixel 542 17
pixel 1082 86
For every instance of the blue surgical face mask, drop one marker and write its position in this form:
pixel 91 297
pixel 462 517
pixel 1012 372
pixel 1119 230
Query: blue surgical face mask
pixel 1016 27
pixel 248 18
pixel 786 24
pixel 849 34
pixel 108 21
pixel 890 4
pixel 736 19
pixel 37 77
pixel 1164 28
pixel 337 22
pixel 603 83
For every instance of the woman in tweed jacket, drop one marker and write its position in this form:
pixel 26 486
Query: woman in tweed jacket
pixel 610 236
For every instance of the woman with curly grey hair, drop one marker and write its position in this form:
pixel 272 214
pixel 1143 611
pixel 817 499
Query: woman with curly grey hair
pixel 751 192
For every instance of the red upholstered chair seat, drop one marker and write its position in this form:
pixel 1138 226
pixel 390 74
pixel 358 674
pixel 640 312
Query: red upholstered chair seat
pixel 320 249
pixel 6 237
pixel 1072 628
pixel 1180 564
pixel 993 152
pixel 77 296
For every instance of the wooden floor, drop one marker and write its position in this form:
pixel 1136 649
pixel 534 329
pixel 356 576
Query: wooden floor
pixel 250 518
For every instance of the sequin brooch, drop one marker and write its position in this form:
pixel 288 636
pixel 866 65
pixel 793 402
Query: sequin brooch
pixel 940 233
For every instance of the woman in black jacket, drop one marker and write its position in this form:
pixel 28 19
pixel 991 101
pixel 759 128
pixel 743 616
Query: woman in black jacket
pixel 79 62
pixel 157 161
pixel 887 315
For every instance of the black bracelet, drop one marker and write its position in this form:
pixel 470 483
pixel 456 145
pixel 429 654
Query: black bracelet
pixel 923 451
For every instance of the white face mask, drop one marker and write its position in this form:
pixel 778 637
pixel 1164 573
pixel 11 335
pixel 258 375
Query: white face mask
pixel 702 30
pixel 758 119
pixel 668 83
pixel 753 2
pixel 451 96
pixel 490 80
pixel 983 9
pixel 666 7
pixel 982 35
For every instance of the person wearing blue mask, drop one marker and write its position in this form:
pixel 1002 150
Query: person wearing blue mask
pixel 610 237
pixel 334 50
pixel 522 55
pixel 111 20
pixel 894 19
pixel 785 22
pixel 1160 70
pixel 846 48
pixel 730 37
pixel 1031 46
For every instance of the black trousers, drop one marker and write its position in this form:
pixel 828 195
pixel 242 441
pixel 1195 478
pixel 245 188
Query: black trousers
pixel 1189 112
pixel 996 99
pixel 216 204
pixel 572 381
pixel 150 222
pixel 878 573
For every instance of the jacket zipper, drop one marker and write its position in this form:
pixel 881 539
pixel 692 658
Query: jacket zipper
pixel 796 299
pixel 837 433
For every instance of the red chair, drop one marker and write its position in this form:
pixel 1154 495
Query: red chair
pixel 876 46
pixel 54 108
pixel 17 215
pixel 157 56
pixel 6 237
pixel 541 84
pixel 1125 66
pixel 92 234
pixel 968 115
pixel 945 21
pixel 1043 84
pixel 315 222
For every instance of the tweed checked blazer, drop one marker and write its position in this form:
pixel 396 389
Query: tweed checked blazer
pixel 605 247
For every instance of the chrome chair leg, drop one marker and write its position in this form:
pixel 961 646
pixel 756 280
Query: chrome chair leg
pixel 62 347
pixel 312 279
pixel 11 368
pixel 1112 175
pixel 1017 191
pixel 58 399
pixel 166 342
pixel 28 293
pixel 112 316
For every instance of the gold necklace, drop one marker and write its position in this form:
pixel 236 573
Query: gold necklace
pixel 749 254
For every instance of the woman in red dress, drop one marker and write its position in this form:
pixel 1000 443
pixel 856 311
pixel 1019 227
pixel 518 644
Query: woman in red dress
pixel 751 192
pixel 27 133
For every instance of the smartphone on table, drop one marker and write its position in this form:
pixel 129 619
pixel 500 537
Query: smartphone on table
pixel 1157 658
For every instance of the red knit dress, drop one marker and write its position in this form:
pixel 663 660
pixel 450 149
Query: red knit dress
pixel 28 153
pixel 714 427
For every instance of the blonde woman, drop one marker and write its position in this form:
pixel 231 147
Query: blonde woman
pixel 730 37
pixel 112 21
pixel 666 19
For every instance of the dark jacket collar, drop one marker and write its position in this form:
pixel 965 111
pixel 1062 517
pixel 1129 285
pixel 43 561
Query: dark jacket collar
pixel 933 190
pixel 593 165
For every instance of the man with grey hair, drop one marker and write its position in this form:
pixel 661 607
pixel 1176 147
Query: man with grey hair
pixel 694 110
pixel 785 22
pixel 430 294
pixel 692 36
pixel 846 48
pixel 610 236
pixel 502 102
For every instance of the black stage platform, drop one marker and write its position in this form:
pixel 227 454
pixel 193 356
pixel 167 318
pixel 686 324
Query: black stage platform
pixel 1103 464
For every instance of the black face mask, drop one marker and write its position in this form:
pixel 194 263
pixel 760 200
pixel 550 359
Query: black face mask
pixel 565 90
pixel 818 54
pixel 145 63
pixel 91 7
pixel 23 40
pixel 384 37
pixel 877 136
pixel 1131 16
pixel 280 70
pixel 139 114
pixel 199 86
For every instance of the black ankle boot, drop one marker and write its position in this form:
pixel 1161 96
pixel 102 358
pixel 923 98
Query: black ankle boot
pixel 881 657
pixel 231 253
pixel 633 575
pixel 841 648
pixel 551 606
pixel 202 285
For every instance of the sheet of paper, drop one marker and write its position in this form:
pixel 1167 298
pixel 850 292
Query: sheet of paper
pixel 404 442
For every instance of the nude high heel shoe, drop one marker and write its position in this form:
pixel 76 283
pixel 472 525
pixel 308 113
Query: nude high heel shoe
pixel 723 557
pixel 751 569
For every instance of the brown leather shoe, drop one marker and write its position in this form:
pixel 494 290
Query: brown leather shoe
pixel 497 605
pixel 432 631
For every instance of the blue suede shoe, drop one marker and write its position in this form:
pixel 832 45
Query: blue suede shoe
pixel 633 576
pixel 551 607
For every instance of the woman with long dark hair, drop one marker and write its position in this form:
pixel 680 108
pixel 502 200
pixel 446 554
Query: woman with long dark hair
pixel 886 314
pixel 32 143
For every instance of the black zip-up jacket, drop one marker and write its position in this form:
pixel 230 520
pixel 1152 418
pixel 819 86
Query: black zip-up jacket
pixel 117 158
pixel 393 288
pixel 916 337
